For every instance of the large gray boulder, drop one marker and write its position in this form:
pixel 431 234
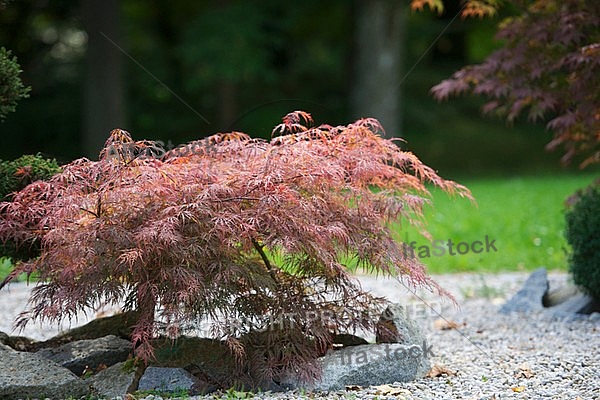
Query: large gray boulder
pixel 401 354
pixel 25 375
pixel 371 364
pixel 530 297
pixel 78 355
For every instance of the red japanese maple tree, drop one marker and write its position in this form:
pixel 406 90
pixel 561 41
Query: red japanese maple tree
pixel 227 228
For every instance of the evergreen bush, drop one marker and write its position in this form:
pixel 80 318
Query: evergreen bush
pixel 583 235
pixel 11 87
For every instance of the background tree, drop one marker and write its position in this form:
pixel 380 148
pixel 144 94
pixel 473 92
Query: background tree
pixel 103 95
pixel 379 39
pixel 295 56
pixel 11 86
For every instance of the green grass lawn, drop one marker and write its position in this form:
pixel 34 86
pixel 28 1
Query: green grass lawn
pixel 524 216
pixel 5 267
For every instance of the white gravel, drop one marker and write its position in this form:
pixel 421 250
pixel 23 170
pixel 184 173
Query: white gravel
pixel 495 356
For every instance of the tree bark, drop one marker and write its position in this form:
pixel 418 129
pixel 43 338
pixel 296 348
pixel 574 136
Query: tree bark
pixel 227 104
pixel 103 108
pixel 377 58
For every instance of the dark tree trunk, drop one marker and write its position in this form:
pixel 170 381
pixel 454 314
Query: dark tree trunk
pixel 378 42
pixel 227 105
pixel 103 108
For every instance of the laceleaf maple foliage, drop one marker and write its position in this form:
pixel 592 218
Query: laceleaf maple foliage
pixel 253 236
pixel 546 69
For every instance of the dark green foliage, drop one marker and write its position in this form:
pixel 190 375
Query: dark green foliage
pixel 14 176
pixel 583 235
pixel 11 87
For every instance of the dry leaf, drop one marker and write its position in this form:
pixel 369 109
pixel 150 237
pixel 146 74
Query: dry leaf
pixel 518 389
pixel 444 324
pixel 439 370
pixel 387 390
pixel 524 371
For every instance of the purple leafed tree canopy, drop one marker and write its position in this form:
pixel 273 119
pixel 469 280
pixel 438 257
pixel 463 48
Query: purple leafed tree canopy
pixel 547 69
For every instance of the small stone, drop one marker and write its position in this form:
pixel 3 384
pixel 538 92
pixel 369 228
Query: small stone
pixel 112 381
pixel 167 379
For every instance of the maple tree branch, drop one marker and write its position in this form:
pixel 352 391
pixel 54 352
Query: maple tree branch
pixel 268 266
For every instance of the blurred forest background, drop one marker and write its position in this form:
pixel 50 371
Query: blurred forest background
pixel 177 71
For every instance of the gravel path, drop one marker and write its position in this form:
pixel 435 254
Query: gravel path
pixel 494 356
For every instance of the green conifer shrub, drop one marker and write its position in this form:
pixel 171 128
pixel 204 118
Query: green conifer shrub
pixel 583 235
pixel 11 87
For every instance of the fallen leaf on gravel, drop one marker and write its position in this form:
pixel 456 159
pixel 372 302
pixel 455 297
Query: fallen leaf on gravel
pixel 387 390
pixel 518 389
pixel 444 324
pixel 439 370
pixel 353 387
pixel 524 371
